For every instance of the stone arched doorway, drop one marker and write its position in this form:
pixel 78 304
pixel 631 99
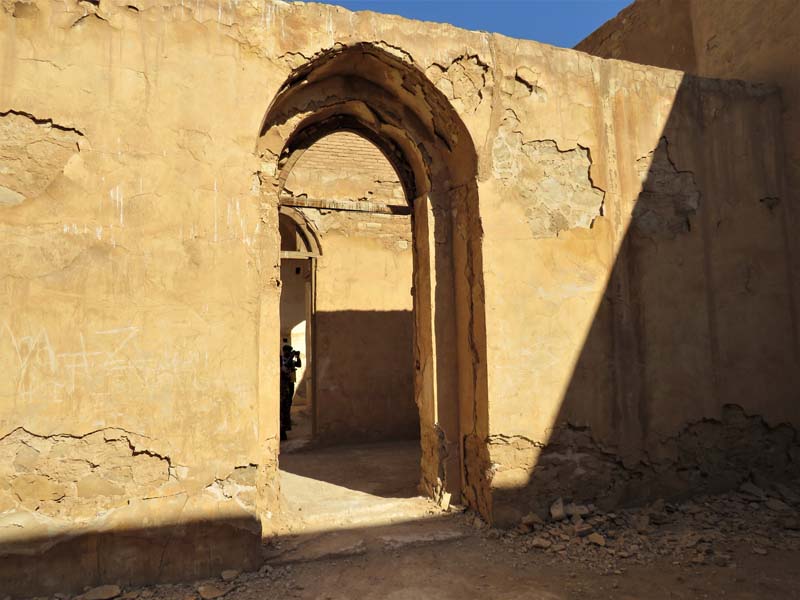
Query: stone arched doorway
pixel 365 90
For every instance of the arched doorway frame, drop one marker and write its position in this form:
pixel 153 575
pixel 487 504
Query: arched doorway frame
pixel 365 90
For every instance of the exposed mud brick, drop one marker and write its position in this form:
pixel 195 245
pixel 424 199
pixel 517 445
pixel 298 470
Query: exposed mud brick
pixel 560 195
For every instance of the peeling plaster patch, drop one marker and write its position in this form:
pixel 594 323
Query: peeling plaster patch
pixel 524 84
pixel 240 485
pixel 669 197
pixel 78 476
pixel 10 197
pixel 33 152
pixel 562 195
pixel 463 81
pixel 24 10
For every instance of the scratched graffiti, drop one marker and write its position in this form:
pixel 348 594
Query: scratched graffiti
pixel 101 362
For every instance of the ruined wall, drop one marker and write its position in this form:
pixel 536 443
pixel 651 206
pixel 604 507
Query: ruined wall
pixel 363 324
pixel 731 39
pixel 138 285
pixel 131 283
pixel 644 290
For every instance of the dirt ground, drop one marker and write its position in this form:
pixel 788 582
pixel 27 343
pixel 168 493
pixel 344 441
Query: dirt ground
pixel 354 530
pixel 478 566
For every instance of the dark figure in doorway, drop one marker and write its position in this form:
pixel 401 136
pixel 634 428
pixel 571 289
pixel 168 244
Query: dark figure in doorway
pixel 290 362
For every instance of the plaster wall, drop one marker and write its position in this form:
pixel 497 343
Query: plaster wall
pixel 619 281
pixel 732 39
pixel 364 328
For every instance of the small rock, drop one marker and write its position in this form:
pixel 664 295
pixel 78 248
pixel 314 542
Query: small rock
pixel 751 489
pixel 690 540
pixel 557 510
pixel 132 595
pixel 642 523
pixel 787 493
pixel 540 542
pixel 531 520
pixel 758 550
pixel 596 539
pixel 777 505
pixel 583 529
pixel 496 534
pixel 209 591
pixel 103 592
pixel 230 574
pixel 790 523
pixel 265 569
pixel 478 523
pixel 578 510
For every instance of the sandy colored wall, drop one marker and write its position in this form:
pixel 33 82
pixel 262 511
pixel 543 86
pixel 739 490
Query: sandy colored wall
pixel 732 39
pixel 641 312
pixel 363 328
pixel 140 414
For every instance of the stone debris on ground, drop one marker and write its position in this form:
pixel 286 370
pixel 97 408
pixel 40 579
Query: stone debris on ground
pixel 103 592
pixel 701 531
pixel 694 533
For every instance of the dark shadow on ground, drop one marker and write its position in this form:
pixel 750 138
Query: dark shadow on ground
pixel 389 470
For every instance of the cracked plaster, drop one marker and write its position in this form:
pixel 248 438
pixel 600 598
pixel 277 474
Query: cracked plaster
pixel 137 297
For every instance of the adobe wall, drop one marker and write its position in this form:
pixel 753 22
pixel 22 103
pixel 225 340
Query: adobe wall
pixel 622 358
pixel 731 39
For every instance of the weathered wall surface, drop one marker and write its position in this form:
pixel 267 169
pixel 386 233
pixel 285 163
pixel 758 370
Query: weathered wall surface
pixel 132 270
pixel 364 328
pixel 639 325
pixel 643 324
pixel 731 39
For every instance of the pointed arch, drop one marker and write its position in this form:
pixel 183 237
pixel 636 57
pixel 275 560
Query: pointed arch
pixel 365 90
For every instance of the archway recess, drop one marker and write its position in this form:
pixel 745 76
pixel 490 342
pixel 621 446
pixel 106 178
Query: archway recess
pixel 365 90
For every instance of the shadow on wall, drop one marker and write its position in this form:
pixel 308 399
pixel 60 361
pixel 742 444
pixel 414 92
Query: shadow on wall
pixel 365 376
pixel 695 334
pixel 180 552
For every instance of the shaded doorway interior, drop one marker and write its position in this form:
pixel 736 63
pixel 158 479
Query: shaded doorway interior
pixel 348 310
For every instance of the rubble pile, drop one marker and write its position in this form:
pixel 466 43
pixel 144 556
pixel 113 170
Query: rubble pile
pixel 702 531
pixel 276 581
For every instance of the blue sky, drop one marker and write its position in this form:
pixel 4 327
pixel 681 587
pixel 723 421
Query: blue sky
pixel 557 22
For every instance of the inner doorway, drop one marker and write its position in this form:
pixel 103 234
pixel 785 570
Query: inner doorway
pixel 346 307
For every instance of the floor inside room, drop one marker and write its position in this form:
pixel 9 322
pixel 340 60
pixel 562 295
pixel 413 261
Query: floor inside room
pixel 326 488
